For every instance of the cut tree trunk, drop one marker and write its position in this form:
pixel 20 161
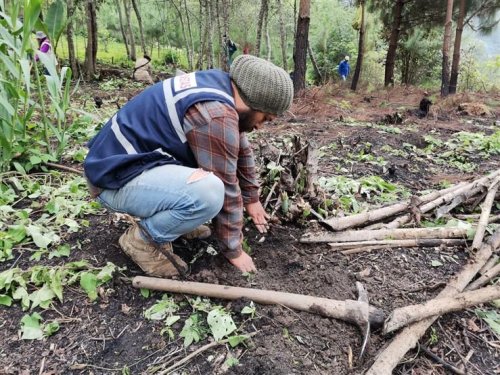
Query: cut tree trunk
pixel 485 278
pixel 403 316
pixel 445 199
pixel 348 310
pixel 122 27
pixel 141 30
pixel 387 360
pixel 340 223
pixel 399 243
pixel 383 234
pixel 485 214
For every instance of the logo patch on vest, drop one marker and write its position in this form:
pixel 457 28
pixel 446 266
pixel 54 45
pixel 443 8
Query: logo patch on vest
pixel 185 81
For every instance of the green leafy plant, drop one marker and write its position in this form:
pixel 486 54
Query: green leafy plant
pixel 492 318
pixel 32 329
pixel 25 143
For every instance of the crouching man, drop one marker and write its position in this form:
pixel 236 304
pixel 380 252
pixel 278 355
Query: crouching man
pixel 177 155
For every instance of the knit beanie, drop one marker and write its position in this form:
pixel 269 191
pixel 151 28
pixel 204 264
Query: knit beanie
pixel 262 85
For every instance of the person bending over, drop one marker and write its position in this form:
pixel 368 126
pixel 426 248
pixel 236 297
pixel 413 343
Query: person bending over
pixel 177 155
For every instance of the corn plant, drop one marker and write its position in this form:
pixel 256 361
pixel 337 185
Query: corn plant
pixel 33 107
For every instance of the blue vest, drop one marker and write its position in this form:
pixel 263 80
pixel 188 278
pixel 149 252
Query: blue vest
pixel 149 130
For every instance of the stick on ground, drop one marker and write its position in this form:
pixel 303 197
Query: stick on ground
pixel 384 234
pixel 387 360
pixel 439 306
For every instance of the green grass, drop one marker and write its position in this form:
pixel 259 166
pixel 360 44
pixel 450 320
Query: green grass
pixel 113 53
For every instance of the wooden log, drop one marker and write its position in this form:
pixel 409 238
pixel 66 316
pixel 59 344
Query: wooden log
pixel 341 223
pixel 387 360
pixel 427 242
pixel 458 200
pixel 485 214
pixel 439 306
pixel 474 217
pixel 348 310
pixel 383 234
pixel 490 264
pixel 488 276
pixel 411 243
pixel 444 199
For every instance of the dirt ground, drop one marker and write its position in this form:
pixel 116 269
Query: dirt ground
pixel 111 335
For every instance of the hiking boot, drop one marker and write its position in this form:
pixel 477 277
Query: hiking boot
pixel 200 233
pixel 147 256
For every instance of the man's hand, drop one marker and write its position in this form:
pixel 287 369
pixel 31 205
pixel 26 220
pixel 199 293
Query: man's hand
pixel 259 216
pixel 244 263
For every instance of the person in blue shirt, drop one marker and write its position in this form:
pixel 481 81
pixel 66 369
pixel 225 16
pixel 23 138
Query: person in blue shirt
pixel 344 68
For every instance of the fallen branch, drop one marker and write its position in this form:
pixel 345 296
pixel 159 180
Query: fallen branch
pixel 198 351
pixel 439 306
pixel 485 278
pixel 441 361
pixel 485 214
pixel 341 223
pixel 411 243
pixel 382 234
pixel 387 360
pixel 491 219
pixel 64 168
pixel 444 199
pixel 490 264
pixel 427 242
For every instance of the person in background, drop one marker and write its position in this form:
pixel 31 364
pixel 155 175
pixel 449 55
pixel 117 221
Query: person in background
pixel 177 155
pixel 344 68
pixel 143 70
pixel 230 48
pixel 45 47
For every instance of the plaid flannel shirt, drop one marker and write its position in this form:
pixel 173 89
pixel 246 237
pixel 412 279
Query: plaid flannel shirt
pixel 219 147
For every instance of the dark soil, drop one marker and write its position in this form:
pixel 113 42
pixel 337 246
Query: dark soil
pixel 112 334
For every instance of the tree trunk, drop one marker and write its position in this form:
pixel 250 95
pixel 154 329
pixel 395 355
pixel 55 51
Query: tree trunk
pixel 122 28
pixel 133 55
pixel 201 52
pixel 282 35
pixel 268 38
pixel 73 63
pixel 314 62
pixel 210 32
pixel 390 60
pixel 141 30
pixel 183 28
pixel 301 41
pixel 260 23
pixel 361 48
pixel 445 73
pixel 190 43
pixel 456 49
pixel 91 49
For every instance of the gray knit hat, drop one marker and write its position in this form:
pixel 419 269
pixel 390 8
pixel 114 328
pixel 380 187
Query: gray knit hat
pixel 262 85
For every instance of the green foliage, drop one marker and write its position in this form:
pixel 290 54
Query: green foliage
pixel 55 21
pixel 26 142
pixel 373 189
pixel 419 58
pixel 40 285
pixel 62 202
pixel 492 318
pixel 194 329
pixel 332 43
pixel 31 329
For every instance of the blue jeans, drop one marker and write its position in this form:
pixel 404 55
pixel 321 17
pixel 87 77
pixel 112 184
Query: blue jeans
pixel 169 201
